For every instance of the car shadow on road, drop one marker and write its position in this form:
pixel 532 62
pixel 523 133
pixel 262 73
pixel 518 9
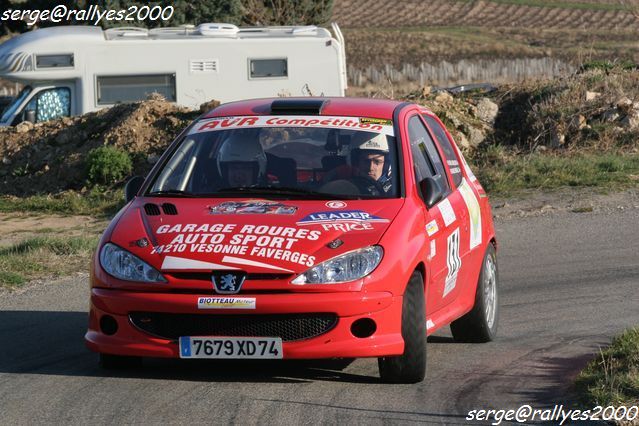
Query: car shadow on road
pixel 46 342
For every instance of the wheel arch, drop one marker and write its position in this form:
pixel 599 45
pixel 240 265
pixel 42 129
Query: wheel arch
pixel 493 241
pixel 422 269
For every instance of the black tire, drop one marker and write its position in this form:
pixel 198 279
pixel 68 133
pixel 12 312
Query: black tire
pixel 480 325
pixel 119 362
pixel 410 367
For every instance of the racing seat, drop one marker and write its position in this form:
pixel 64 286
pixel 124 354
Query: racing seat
pixel 284 168
pixel 334 143
pixel 331 162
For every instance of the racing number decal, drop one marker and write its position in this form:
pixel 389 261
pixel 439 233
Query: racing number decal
pixel 453 261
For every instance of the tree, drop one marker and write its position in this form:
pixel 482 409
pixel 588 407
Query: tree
pixel 287 12
pixel 186 12
pixel 247 12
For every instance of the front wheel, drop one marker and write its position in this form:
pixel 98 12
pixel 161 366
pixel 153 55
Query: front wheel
pixel 480 324
pixel 410 367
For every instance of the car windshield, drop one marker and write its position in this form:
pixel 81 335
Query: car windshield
pixel 11 108
pixel 325 158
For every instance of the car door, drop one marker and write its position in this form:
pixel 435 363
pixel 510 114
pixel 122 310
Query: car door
pixel 446 222
pixel 470 196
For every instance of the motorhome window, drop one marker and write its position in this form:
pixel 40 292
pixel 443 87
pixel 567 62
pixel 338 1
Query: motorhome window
pixel 54 61
pixel 262 68
pixel 50 104
pixel 132 88
pixel 13 106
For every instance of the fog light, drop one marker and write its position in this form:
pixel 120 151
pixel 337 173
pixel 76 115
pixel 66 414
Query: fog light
pixel 108 325
pixel 363 327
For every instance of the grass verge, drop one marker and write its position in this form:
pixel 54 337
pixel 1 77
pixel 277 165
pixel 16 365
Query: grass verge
pixel 44 256
pixel 613 377
pixel 506 173
pixel 69 202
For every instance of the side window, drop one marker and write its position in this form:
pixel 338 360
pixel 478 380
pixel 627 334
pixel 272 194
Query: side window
pixel 425 155
pixel 449 152
pixel 264 68
pixel 132 88
pixel 51 104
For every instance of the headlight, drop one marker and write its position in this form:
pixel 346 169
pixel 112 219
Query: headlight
pixel 126 266
pixel 347 267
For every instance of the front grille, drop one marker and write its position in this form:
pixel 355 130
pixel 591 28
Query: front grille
pixel 289 327
pixel 206 276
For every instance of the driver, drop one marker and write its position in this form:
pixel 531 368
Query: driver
pixel 241 160
pixel 370 159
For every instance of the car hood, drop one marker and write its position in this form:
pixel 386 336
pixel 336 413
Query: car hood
pixel 255 236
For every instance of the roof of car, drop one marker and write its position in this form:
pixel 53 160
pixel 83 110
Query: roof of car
pixel 360 107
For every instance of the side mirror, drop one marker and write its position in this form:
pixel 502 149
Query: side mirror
pixel 432 191
pixel 132 187
pixel 30 115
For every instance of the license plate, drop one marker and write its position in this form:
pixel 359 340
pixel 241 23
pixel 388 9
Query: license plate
pixel 231 347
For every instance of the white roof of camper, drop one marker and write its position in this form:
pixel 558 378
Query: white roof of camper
pixel 202 31
pixel 213 30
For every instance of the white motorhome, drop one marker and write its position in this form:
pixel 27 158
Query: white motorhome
pixel 72 70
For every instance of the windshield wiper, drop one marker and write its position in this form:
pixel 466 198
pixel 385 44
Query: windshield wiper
pixel 173 192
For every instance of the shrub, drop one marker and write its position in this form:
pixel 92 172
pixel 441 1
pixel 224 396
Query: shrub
pixel 107 165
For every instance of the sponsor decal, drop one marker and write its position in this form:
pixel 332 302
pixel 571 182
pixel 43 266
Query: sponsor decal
pixel 342 216
pixel 433 249
pixel 454 166
pixel 432 228
pixel 474 213
pixel 469 172
pixel 382 121
pixel 453 262
pixel 240 261
pixel 226 303
pixel 353 123
pixel 447 212
pixel 178 263
pixel 267 241
pixel 336 204
pixel 429 324
pixel 252 207
pixel 342 221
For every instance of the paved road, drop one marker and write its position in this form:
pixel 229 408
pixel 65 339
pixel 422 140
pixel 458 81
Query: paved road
pixel 569 283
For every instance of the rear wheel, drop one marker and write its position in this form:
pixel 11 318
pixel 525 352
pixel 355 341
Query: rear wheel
pixel 119 362
pixel 410 367
pixel 480 324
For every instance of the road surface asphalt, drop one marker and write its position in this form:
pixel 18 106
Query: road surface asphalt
pixel 569 282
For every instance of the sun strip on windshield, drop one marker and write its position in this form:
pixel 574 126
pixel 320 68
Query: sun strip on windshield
pixel 376 125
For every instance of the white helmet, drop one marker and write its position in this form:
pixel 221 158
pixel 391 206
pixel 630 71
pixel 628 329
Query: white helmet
pixel 367 141
pixel 371 143
pixel 242 147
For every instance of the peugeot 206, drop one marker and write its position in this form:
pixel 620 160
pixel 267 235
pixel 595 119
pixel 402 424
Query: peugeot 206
pixel 299 228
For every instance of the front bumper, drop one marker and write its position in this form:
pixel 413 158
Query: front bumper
pixel 382 307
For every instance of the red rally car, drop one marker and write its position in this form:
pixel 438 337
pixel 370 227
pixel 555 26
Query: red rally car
pixel 299 228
